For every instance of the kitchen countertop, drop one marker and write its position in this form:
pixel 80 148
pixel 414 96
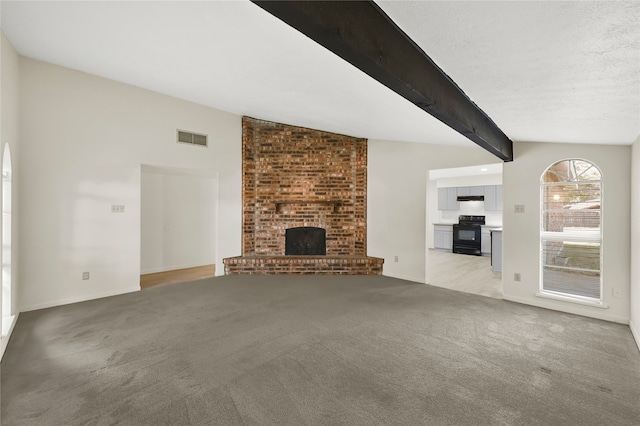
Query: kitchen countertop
pixel 493 227
pixel 496 230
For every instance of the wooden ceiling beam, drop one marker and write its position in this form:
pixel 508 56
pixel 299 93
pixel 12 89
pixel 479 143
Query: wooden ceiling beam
pixel 363 35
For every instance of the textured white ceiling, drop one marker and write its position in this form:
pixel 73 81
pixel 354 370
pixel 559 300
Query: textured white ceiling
pixel 543 71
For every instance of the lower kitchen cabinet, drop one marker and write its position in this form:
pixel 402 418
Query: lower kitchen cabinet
pixel 496 250
pixel 485 243
pixel 443 237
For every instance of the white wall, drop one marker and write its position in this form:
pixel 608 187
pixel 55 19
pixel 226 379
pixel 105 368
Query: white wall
pixel 397 200
pixel 521 185
pixel 634 320
pixel 83 139
pixel 178 219
pixel 9 77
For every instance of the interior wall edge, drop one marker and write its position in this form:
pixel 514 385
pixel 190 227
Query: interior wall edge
pixel 636 334
pixel 83 298
pixel 634 296
pixel 172 268
pixel 5 339
pixel 10 136
pixel 406 278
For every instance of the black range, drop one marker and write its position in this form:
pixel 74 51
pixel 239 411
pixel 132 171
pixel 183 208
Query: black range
pixel 467 235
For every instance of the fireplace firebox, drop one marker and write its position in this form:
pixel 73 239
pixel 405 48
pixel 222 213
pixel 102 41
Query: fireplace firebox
pixel 305 241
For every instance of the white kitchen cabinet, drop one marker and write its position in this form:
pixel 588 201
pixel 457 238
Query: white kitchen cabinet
pixel 452 199
pixel 464 191
pixel 490 198
pixel 448 199
pixel 443 237
pixel 442 198
pixel 438 239
pixel 485 242
pixel 493 198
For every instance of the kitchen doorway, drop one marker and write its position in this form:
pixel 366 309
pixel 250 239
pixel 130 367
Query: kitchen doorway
pixel 473 191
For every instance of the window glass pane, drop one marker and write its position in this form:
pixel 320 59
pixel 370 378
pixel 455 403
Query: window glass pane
pixel 570 229
pixel 585 171
pixel 571 268
pixel 571 171
pixel 572 283
pixel 559 172
pixel 571 254
pixel 571 206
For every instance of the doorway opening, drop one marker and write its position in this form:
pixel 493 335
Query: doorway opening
pixel 454 195
pixel 178 225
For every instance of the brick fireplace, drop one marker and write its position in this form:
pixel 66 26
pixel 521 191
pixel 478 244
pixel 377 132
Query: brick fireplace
pixel 294 177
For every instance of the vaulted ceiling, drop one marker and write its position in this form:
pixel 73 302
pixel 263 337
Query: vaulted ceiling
pixel 543 71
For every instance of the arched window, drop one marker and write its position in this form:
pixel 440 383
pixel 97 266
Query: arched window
pixel 571 231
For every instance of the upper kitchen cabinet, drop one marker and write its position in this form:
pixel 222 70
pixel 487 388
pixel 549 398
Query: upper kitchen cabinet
pixel 448 199
pixel 493 198
pixel 464 191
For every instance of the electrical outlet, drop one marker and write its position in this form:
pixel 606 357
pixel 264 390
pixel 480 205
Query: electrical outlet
pixel 117 208
pixel 518 208
pixel 85 275
pixel 616 292
pixel 516 276
pixel 395 258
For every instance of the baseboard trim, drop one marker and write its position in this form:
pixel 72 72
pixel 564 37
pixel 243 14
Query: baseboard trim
pixel 404 277
pixel 635 333
pixel 597 313
pixel 173 268
pixel 70 300
pixel 4 340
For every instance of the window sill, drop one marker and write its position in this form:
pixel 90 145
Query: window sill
pixel 564 298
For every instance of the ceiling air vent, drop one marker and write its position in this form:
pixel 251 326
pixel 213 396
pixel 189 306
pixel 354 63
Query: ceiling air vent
pixel 192 138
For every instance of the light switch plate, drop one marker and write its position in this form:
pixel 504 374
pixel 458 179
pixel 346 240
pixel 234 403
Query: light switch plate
pixel 519 208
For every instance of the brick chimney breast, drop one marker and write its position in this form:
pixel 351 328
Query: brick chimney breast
pixel 298 177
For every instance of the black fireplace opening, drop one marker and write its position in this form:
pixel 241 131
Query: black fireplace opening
pixel 305 241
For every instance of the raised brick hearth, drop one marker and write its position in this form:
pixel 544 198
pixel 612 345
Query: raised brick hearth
pixel 343 265
pixel 297 177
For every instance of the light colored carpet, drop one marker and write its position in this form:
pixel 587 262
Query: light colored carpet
pixel 316 350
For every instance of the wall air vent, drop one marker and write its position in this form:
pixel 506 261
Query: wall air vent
pixel 192 138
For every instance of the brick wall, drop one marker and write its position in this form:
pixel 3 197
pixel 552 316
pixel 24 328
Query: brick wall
pixel 294 176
